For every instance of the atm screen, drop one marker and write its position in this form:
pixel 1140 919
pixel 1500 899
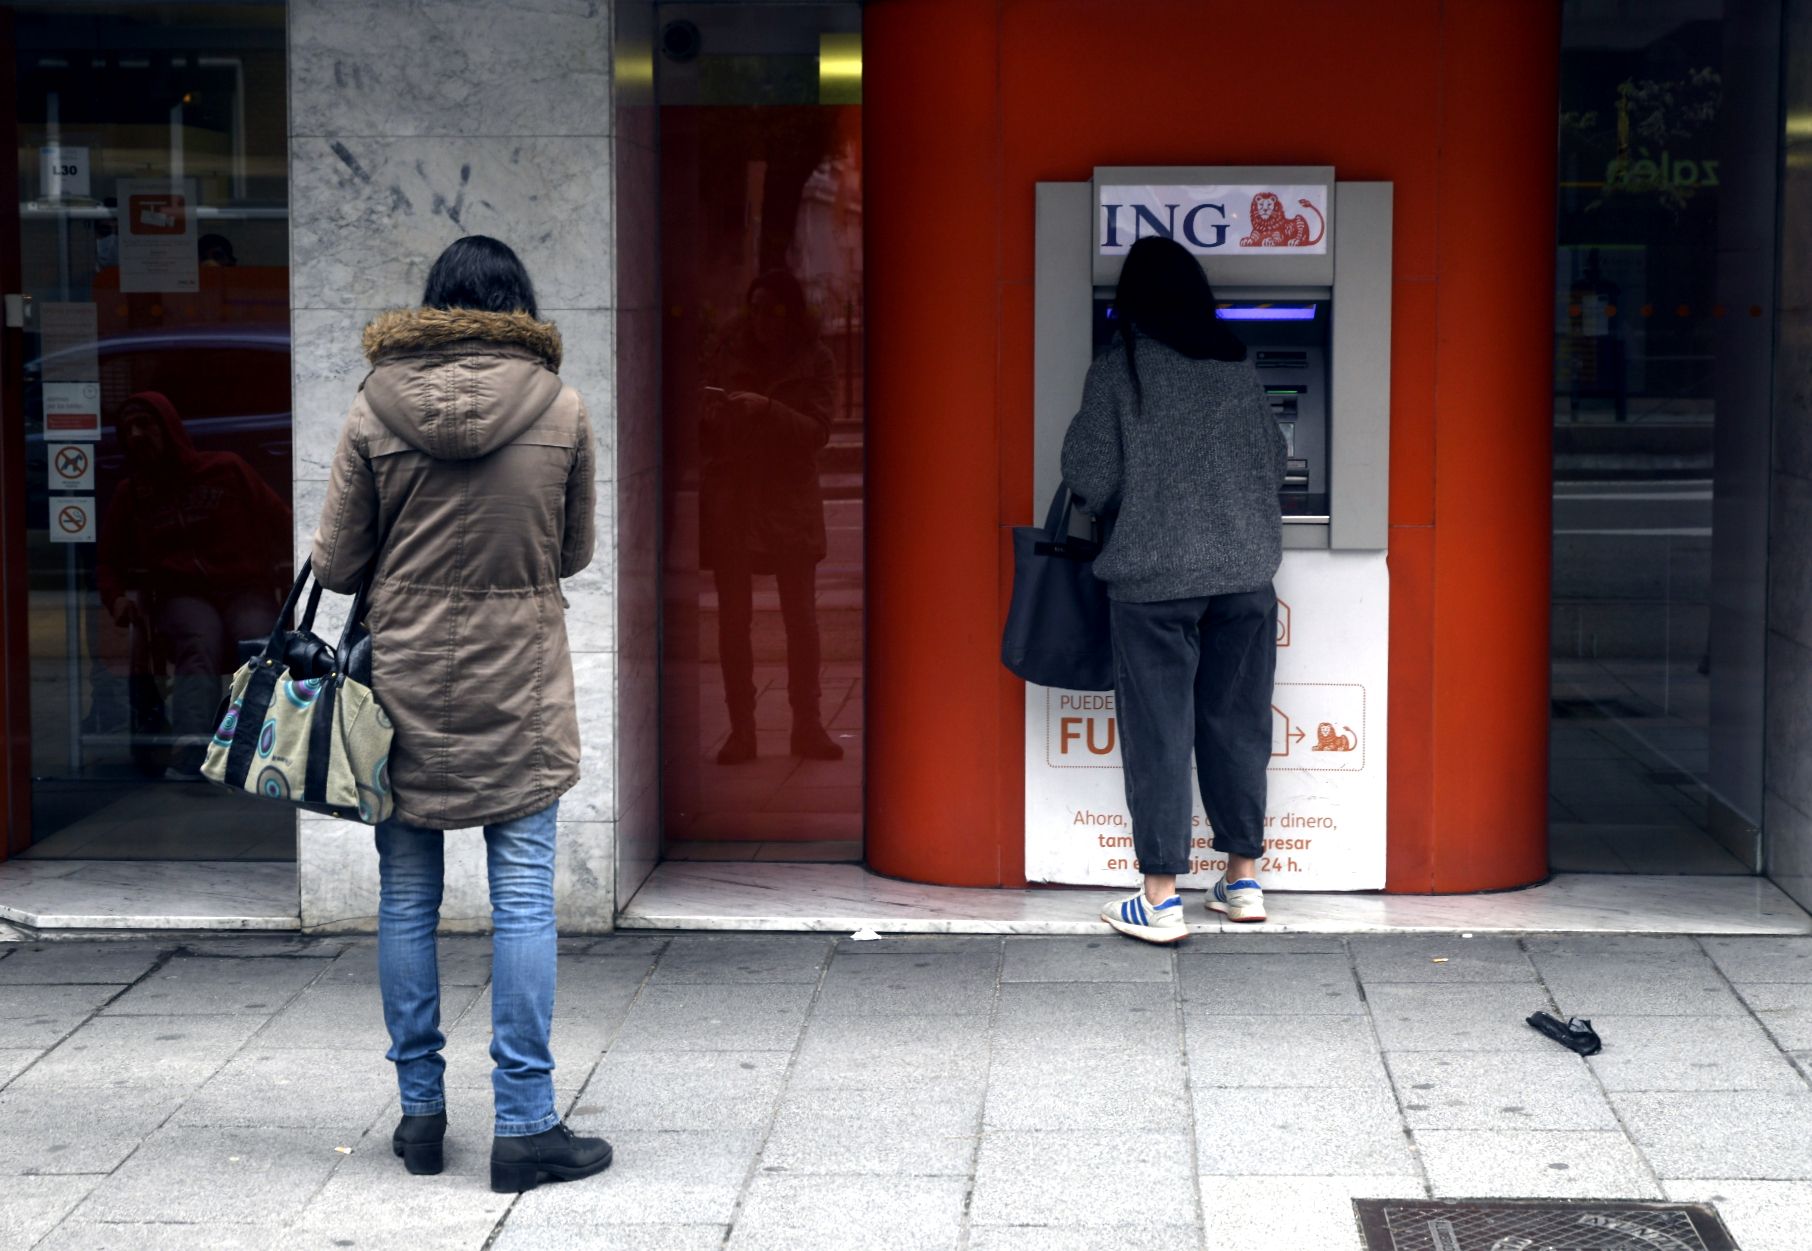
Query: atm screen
pixel 1287 340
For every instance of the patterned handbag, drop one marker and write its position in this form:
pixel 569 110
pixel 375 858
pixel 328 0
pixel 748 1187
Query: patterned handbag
pixel 302 725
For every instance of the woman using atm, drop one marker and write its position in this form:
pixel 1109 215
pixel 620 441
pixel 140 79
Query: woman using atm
pixel 1175 443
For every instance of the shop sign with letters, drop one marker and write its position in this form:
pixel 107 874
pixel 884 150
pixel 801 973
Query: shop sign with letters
pixel 1212 220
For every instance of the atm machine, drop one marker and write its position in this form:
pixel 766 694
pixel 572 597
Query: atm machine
pixel 1301 268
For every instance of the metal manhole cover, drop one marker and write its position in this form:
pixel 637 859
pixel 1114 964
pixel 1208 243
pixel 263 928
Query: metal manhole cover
pixel 1539 1225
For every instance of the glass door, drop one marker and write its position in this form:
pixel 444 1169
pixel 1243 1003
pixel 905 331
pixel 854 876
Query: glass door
pixel 146 406
pixel 763 418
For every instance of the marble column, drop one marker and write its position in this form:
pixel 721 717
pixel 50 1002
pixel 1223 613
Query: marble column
pixel 411 125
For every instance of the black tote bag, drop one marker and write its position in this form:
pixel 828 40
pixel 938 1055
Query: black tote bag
pixel 1057 629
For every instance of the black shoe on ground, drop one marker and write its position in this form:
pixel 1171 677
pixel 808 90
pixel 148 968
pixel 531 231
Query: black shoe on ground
pixel 810 742
pixel 739 748
pixel 519 1164
pixel 418 1141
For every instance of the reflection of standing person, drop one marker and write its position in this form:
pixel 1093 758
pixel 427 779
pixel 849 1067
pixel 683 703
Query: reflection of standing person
pixel 767 414
pixel 1174 438
pixel 196 546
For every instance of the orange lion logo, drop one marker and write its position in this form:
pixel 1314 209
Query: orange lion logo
pixel 1326 739
pixel 1272 228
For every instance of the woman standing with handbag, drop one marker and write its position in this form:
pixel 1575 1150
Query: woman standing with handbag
pixel 463 489
pixel 1174 439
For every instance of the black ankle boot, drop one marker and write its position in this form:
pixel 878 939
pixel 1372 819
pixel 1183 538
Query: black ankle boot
pixel 519 1164
pixel 810 742
pixel 418 1140
pixel 739 748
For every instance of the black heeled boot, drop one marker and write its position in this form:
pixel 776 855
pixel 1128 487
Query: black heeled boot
pixel 418 1141
pixel 520 1163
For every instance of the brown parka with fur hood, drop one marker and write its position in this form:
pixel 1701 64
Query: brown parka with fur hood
pixel 465 472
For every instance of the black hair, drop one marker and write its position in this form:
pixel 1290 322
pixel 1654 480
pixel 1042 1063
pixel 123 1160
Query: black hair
pixel 789 293
pixel 479 272
pixel 1164 294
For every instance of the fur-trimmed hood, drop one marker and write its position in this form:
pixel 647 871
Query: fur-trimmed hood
pixel 492 384
pixel 422 329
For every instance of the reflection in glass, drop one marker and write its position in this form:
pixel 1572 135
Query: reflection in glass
pixel 761 270
pixel 153 412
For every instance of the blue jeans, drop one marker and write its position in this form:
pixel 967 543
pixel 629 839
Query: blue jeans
pixel 520 864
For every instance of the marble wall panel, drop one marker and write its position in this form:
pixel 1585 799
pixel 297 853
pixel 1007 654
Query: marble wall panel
pixel 340 894
pixel 594 798
pixel 450 67
pixel 372 213
pixel 585 877
pixel 329 363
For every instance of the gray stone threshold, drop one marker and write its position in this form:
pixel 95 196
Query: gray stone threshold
pixel 149 895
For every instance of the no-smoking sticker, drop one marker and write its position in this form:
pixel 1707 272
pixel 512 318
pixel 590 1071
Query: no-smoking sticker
pixel 71 467
pixel 72 519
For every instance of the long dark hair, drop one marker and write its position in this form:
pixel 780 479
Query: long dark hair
pixel 1164 294
pixel 479 272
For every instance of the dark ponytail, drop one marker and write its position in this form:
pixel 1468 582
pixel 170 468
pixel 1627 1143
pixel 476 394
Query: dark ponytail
pixel 1164 294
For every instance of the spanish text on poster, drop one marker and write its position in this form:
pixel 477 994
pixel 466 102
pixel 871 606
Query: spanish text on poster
pixel 72 410
pixel 1325 821
pixel 70 336
pixel 157 236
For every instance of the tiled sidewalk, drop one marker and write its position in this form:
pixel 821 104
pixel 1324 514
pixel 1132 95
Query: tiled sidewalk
pixel 788 1091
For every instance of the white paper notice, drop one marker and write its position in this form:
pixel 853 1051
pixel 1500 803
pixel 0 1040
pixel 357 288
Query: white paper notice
pixel 72 519
pixel 1326 817
pixel 64 171
pixel 69 332
pixel 72 410
pixel 71 467
pixel 157 236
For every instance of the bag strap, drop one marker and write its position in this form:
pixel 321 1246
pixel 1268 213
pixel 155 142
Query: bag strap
pixel 1057 521
pixel 274 647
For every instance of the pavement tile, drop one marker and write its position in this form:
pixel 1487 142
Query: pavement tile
pixel 1050 1238
pixel 55 1131
pixel 665 1178
pixel 38 1016
pixel 345 1016
pixel 1298 1132
pixel 1037 1088
pixel 144 1052
pixel 1282 1051
pixel 615 1238
pixel 716 1018
pixel 1134 1016
pixel 15 1060
pixel 871 1052
pixel 216 1176
pixel 1487 1090
pixel 1293 1213
pixel 372 1200
pixel 1761 1135
pixel 1085 960
pixel 973 946
pixel 1072 1180
pixel 1760 1215
pixel 202 985
pixel 1784 1009
pixel 1439 958
pixel 956 984
pixel 931 1130
pixel 627 943
pixel 1757 959
pixel 268 946
pixel 31 1207
pixel 697 1089
pixel 154 1236
pixel 1304 985
pixel 76 963
pixel 1625 977
pixel 462 961
pixel 1257 942
pixel 895 1213
pixel 1690 1053
pixel 294 1089
pixel 744 958
pixel 1531 1164
pixel 1477 1017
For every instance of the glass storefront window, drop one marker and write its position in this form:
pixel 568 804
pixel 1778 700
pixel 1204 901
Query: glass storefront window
pixel 762 386
pixel 1663 350
pixel 147 396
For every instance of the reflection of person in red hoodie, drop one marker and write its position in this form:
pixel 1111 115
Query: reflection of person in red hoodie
pixel 196 546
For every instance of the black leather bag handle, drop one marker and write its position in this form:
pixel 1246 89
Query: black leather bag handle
pixel 274 648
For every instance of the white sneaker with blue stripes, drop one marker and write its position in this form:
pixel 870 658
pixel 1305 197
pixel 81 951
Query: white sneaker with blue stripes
pixel 1238 901
pixel 1137 917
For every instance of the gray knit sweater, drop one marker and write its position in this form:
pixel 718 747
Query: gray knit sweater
pixel 1192 473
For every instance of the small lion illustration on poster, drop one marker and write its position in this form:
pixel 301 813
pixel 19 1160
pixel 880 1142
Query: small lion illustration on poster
pixel 1272 227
